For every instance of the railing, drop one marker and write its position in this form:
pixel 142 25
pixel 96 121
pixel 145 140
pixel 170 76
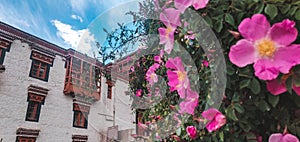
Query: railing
pixel 75 89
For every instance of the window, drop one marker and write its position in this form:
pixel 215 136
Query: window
pixel 81 113
pixel 1 56
pixel 39 70
pixel 33 111
pixel 2 53
pixel 4 47
pixel 82 78
pixel 109 91
pixel 25 139
pixel 139 119
pixel 80 119
pixel 41 63
pixel 36 98
pixel 79 138
pixel 110 84
pixel 27 135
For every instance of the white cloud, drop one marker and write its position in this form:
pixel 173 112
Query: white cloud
pixel 80 6
pixel 87 43
pixel 81 40
pixel 76 17
pixel 66 32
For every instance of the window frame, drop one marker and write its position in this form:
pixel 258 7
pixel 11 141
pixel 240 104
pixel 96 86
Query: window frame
pixel 109 91
pixel 2 55
pixel 35 111
pixel 80 119
pixel 25 139
pixel 38 65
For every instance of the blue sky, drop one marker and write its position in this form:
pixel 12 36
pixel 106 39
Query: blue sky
pixel 67 23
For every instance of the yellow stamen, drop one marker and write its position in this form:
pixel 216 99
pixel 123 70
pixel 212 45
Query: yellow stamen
pixel 266 48
pixel 181 75
pixel 169 29
pixel 152 76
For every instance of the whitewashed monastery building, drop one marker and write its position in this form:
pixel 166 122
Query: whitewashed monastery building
pixel 52 94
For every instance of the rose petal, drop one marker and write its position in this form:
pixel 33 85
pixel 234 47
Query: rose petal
pixel 175 64
pixel 162 35
pixel 265 70
pixel 181 5
pixel 173 78
pixel 275 137
pixel 255 28
pixel 169 46
pixel 284 33
pixel 275 87
pixel 290 138
pixel 188 105
pixel 198 4
pixel 296 89
pixel 210 113
pixel 242 53
pixel 287 57
pixel 170 17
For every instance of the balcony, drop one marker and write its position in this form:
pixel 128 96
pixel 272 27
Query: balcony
pixel 82 80
pixel 78 91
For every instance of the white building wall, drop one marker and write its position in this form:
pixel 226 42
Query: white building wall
pixel 56 116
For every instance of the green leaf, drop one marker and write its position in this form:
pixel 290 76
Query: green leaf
pixel 229 19
pixel 254 86
pixel 221 135
pixel 260 8
pixel 250 136
pixel 230 70
pixel 298 131
pixel 296 81
pixel 245 83
pixel 178 132
pixel 289 84
pixel 297 15
pixel 273 100
pixel 263 105
pixel 218 26
pixel 236 97
pixel 239 108
pixel 245 127
pixel 231 114
pixel 208 21
pixel 292 10
pixel 271 10
pixel 285 9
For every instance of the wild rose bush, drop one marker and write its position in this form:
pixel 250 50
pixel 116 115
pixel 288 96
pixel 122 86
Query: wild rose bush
pixel 261 46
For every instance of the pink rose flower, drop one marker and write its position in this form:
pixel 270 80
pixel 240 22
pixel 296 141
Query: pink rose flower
pixel 259 138
pixel 151 76
pixel 138 93
pixel 158 117
pixel 278 137
pixel 181 5
pixel 170 18
pixel 205 63
pixel 278 87
pixel 215 119
pixel 132 68
pixel 166 36
pixel 190 103
pixel 269 48
pixel 189 35
pixel 157 58
pixel 178 79
pixel 191 131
